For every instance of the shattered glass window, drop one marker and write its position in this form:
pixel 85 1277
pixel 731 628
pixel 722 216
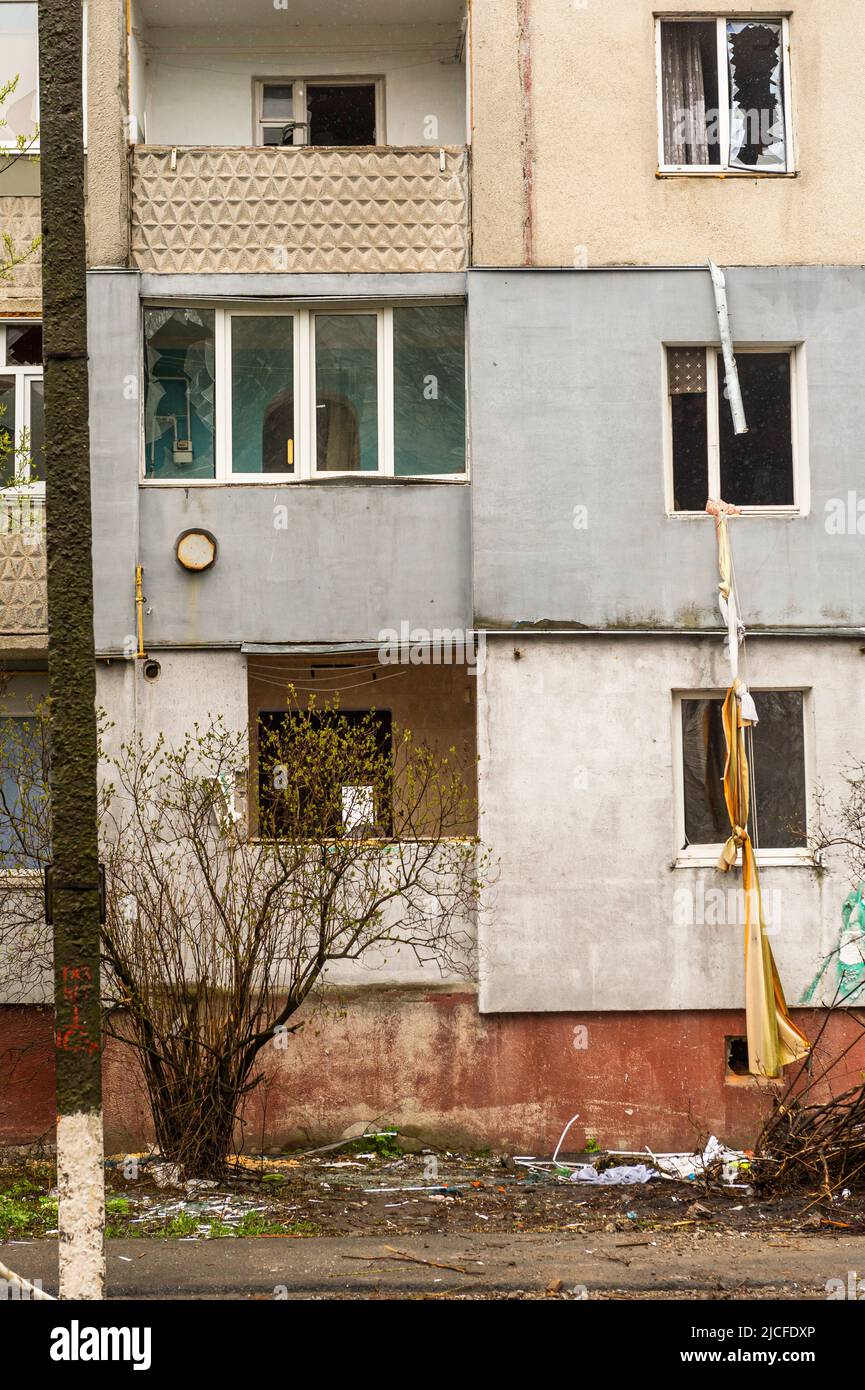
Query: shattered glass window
pixel 262 393
pixel 429 390
pixel 776 758
pixel 757 467
pixel 756 90
pixel 179 393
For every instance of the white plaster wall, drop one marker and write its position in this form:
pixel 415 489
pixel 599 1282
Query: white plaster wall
pixel 577 800
pixel 199 82
pixel 137 71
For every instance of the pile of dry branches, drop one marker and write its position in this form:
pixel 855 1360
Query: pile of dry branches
pixel 820 1146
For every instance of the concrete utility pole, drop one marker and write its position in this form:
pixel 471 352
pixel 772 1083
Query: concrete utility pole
pixel 71 663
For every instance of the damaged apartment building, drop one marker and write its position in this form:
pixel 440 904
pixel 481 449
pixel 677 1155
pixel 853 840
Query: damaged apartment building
pixel 401 321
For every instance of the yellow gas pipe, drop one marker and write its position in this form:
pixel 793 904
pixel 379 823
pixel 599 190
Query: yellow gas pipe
pixel 139 607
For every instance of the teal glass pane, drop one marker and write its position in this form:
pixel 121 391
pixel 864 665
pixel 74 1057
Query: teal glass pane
pixel 262 394
pixel 429 390
pixel 37 432
pixel 23 829
pixel 179 393
pixel 346 392
pixel 7 431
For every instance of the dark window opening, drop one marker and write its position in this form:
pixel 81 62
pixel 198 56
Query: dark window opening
pixel 24 345
pixel 310 785
pixel 776 757
pixel 341 114
pixel 737 1056
pixel 690 450
pixel 753 469
pixel 757 467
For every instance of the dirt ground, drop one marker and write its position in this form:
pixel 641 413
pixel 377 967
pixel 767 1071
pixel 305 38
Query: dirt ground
pixel 371 1193
pixel 373 1222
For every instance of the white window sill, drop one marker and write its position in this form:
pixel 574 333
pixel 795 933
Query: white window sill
pixel 707 856
pixel 780 512
pixel 286 480
pixel 715 171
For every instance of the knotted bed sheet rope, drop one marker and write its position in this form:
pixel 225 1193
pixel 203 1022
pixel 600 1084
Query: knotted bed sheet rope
pixel 774 1041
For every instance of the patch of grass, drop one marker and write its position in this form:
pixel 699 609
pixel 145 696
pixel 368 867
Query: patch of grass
pixel 184 1224
pixel 383 1145
pixel 26 1215
pixel 302 1228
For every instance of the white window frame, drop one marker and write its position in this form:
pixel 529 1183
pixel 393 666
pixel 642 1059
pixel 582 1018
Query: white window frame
pixel 801 504
pixel 305 463
pixel 706 856
pixel 725 168
pixel 299 87
pixel 24 377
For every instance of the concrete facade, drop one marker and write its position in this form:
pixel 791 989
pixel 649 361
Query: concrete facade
pixel 596 907
pixel 568 410
pixel 565 144
pixel 599 606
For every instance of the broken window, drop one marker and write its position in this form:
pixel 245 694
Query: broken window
pixel 303 392
pixel 22 434
pixel 341 114
pixel 709 459
pixel 340 765
pixel 307 111
pixel 776 755
pixel 724 99
pixel 262 393
pixel 179 365
pixel 429 390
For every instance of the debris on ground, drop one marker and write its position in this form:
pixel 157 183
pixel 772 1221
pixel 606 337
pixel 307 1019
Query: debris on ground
pixel 819 1146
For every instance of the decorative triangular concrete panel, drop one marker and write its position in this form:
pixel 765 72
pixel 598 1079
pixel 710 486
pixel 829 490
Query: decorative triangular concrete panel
pixel 23 575
pixel 299 210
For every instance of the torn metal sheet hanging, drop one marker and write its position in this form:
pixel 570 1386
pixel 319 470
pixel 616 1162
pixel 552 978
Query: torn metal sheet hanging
pixel 731 374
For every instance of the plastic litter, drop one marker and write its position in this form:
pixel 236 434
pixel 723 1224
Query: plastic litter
pixel 613 1177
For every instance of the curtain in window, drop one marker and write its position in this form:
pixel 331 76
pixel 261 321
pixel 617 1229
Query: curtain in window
pixel 684 96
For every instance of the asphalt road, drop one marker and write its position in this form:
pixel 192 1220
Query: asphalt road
pixel 612 1265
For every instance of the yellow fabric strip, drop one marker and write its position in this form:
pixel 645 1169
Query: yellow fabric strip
pixel 773 1038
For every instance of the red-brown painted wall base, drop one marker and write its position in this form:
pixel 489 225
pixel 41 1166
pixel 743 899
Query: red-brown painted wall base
pixel 428 1062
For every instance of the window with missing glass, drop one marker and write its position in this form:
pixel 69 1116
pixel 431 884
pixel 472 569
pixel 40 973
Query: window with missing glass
pixel 762 469
pixel 22 427
pixel 304 393
pixel 345 111
pixel 776 756
pixel 324 772
pixel 724 94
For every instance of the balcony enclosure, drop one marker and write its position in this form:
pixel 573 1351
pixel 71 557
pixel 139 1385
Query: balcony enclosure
pixel 299 143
